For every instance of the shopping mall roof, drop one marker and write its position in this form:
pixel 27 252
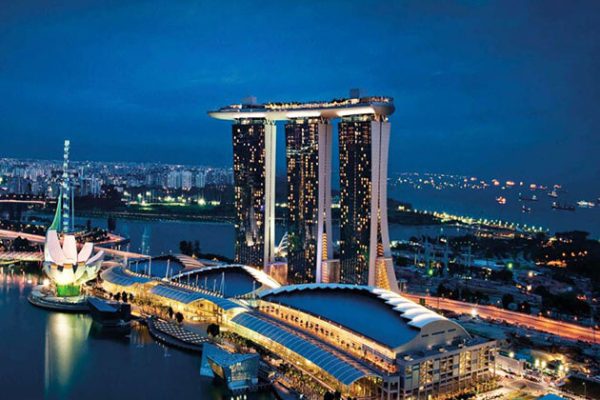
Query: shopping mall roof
pixel 187 295
pixel 119 276
pixel 341 367
pixel 379 314
pixel 226 358
pixel 159 267
pixel 233 280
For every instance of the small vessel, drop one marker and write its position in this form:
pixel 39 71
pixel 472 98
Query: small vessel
pixel 562 207
pixel 525 209
pixel 525 198
pixel 586 204
pixel 553 194
pixel 501 200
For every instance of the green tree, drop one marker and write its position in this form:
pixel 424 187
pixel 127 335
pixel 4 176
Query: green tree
pixel 507 298
pixel 111 224
pixel 525 307
pixel 186 248
pixel 213 330
pixel 179 317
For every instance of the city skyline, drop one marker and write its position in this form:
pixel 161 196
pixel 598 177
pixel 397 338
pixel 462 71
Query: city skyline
pixel 444 93
pixel 391 200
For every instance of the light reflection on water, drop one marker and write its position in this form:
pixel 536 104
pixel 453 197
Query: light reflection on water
pixel 66 341
pixel 48 355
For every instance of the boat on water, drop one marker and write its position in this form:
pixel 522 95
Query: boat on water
pixel 501 200
pixel 525 209
pixel 110 315
pixel 553 194
pixel 586 204
pixel 525 198
pixel 562 207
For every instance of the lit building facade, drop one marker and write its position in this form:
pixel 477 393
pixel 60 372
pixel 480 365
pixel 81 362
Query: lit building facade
pixel 254 190
pixel 67 267
pixel 239 371
pixel 366 342
pixel 308 158
pixel 365 255
pixel 380 345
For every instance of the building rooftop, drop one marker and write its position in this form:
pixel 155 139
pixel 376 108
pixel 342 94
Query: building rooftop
pixel 158 266
pixel 378 314
pixel 341 367
pixel 187 296
pixel 119 276
pixel 226 358
pixel 281 111
pixel 233 280
pixel 103 305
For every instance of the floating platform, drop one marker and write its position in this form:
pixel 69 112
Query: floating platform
pixel 172 334
pixel 75 304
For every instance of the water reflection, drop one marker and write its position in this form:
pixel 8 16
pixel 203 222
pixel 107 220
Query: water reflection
pixel 140 336
pixel 65 344
pixel 49 355
pixel 146 236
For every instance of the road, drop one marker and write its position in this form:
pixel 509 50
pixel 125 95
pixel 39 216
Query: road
pixel 563 329
pixel 15 201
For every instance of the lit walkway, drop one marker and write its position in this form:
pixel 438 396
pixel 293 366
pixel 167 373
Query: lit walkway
pixel 21 256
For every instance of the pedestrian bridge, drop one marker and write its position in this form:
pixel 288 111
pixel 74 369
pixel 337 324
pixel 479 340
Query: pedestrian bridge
pixel 21 256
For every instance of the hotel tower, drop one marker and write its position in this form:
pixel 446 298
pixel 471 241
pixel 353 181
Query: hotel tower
pixel 364 131
pixel 308 159
pixel 254 190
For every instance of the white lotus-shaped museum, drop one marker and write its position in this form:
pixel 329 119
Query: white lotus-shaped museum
pixel 67 268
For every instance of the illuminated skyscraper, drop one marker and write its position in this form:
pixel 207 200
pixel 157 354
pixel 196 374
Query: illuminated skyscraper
pixel 365 255
pixel 254 190
pixel 308 156
pixel 364 130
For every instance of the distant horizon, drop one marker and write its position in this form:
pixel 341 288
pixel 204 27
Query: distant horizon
pixel 496 88
pixel 282 173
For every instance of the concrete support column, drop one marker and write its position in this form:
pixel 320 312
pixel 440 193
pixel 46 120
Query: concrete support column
pixel 324 238
pixel 269 223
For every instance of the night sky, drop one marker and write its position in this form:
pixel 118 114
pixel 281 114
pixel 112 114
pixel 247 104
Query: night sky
pixel 493 89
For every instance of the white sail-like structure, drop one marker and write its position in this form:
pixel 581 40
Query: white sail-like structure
pixel 67 267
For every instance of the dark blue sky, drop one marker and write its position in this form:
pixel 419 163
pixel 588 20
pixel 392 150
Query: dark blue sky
pixel 507 88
